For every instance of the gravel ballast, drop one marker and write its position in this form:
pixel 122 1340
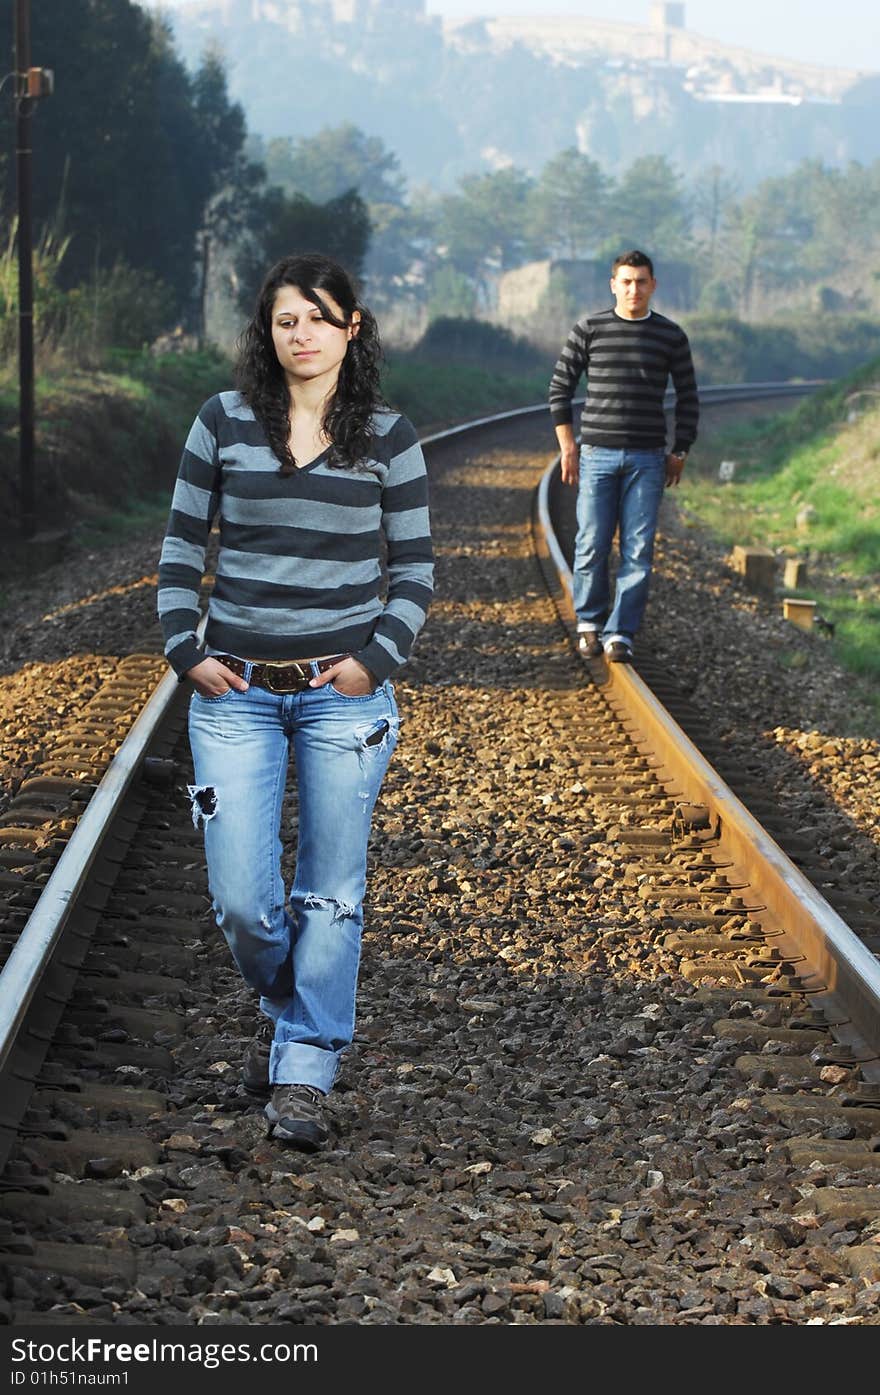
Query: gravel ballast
pixel 540 1120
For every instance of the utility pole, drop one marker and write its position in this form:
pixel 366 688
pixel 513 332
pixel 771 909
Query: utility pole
pixel 23 119
pixel 30 83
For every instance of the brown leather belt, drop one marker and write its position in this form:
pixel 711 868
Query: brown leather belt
pixel 291 676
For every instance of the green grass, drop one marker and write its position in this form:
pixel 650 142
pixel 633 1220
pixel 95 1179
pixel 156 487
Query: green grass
pixel 108 442
pixel 814 460
pixel 856 633
pixel 433 394
pixel 113 526
pixel 174 385
pixel 762 506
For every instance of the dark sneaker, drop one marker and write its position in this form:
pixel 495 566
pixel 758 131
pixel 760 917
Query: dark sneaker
pixel 618 653
pixel 589 644
pixel 255 1067
pixel 296 1113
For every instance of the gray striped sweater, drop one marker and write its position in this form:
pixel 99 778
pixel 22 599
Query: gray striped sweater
pixel 299 571
pixel 627 365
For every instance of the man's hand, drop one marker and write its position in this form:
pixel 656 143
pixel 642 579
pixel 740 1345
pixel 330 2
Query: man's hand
pixel 569 452
pixel 212 679
pixel 349 677
pixel 569 463
pixel 674 467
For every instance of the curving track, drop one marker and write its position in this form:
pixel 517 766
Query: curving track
pixel 593 1081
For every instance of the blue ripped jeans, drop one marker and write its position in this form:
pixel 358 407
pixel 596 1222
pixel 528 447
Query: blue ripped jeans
pixel 619 489
pixel 302 957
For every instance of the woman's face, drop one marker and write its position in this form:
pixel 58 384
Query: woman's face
pixel 308 346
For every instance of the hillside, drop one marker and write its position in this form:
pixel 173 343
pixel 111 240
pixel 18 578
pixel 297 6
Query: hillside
pixel 806 484
pixel 108 440
pixel 611 89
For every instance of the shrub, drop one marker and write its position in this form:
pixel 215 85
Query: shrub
pixel 728 350
pixel 478 342
pixel 118 308
pixel 121 308
pixel 50 302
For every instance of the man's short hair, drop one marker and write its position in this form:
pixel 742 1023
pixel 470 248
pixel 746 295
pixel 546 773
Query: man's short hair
pixel 633 258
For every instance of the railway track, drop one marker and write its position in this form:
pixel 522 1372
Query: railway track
pixel 798 923
pixel 623 918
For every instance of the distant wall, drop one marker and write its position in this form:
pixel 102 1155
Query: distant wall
pixel 541 300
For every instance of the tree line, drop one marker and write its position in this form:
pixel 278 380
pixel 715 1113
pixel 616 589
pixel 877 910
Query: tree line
pixel 809 237
pixel 139 167
pixel 142 168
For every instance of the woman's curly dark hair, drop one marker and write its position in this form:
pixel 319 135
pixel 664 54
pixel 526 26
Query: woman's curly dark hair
pixel 260 377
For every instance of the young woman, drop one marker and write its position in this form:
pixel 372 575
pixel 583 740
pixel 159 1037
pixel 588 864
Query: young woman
pixel 305 469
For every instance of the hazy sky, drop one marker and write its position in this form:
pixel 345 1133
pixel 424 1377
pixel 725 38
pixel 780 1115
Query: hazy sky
pixel 841 32
pixel 845 33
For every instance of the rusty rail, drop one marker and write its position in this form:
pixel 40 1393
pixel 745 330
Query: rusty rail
pixel 841 975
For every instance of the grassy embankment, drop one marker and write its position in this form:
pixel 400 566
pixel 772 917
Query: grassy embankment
pixel 107 444
pixel 108 441
pixel 820 461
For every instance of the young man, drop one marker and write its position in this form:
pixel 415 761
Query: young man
pixel 621 464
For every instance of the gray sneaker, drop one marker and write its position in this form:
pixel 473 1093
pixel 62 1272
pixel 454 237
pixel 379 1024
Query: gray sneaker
pixel 296 1113
pixel 255 1066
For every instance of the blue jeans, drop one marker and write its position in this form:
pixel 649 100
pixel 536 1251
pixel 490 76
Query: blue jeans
pixel 616 488
pixel 303 959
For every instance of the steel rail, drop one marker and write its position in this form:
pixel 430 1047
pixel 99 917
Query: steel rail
pixel 712 395
pixel 44 928
pixel 37 942
pixel 840 966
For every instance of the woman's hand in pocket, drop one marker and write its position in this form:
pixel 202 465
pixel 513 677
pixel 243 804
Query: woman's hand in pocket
pixel 348 677
pixel 211 679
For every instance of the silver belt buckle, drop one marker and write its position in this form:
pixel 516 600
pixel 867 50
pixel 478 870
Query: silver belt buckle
pixel 267 672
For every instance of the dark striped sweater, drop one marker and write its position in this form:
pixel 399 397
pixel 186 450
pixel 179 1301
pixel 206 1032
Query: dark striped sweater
pixel 299 571
pixel 627 365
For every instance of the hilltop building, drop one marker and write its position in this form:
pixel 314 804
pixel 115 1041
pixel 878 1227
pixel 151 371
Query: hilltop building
pixel 666 17
pixel 711 68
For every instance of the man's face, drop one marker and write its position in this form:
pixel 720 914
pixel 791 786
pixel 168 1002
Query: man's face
pixel 633 287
